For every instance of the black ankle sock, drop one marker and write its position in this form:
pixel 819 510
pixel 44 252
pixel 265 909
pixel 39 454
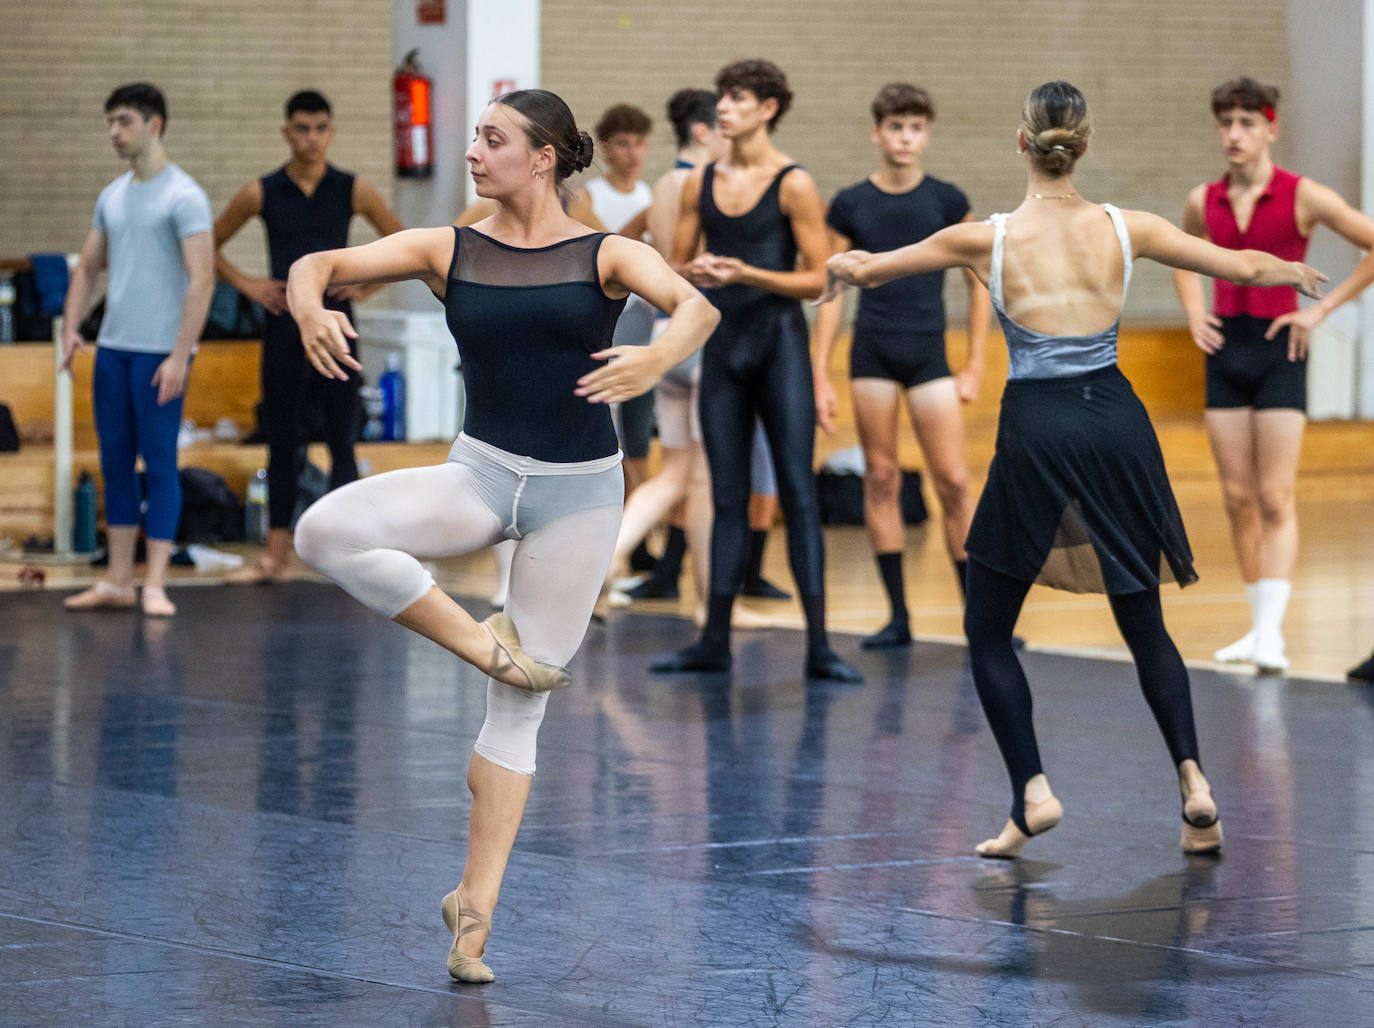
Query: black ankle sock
pixel 669 566
pixel 717 630
pixel 641 559
pixel 753 568
pixel 961 573
pixel 890 567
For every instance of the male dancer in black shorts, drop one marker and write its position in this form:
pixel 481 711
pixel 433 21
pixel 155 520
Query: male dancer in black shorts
pixel 306 206
pixel 898 351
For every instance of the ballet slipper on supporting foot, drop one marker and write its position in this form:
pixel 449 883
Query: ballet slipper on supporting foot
pixel 102 596
pixel 156 604
pixel 1042 812
pixel 1201 825
pixel 260 572
pixel 896 632
pixel 462 967
pixel 541 677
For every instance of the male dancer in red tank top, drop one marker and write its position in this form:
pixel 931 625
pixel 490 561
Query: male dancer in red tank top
pixel 1256 345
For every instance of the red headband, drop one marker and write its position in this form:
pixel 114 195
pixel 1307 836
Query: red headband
pixel 1269 112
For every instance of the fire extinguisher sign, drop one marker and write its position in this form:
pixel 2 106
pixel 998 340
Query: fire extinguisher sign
pixel 429 12
pixel 500 87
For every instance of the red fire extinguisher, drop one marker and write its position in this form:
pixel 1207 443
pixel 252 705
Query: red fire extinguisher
pixel 410 89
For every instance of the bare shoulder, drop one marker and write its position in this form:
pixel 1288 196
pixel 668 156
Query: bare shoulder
pixel 622 249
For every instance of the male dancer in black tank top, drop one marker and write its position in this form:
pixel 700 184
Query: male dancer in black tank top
pixel 306 206
pixel 757 212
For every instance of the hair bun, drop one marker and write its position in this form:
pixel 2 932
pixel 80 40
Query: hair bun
pixel 586 149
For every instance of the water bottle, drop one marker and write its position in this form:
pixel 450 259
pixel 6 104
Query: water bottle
pixel 373 408
pixel 6 307
pixel 83 503
pixel 255 510
pixel 393 386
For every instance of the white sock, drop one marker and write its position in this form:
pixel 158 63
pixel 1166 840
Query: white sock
pixel 1270 604
pixel 1252 593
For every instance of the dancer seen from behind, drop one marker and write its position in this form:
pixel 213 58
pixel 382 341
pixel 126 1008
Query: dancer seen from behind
pixel 1077 497
pixel 532 299
pixel 1256 342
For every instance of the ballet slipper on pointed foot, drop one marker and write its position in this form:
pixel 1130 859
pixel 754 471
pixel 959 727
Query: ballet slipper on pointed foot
pixel 1201 825
pixel 462 967
pixel 540 676
pixel 102 596
pixel 1040 817
pixel 156 604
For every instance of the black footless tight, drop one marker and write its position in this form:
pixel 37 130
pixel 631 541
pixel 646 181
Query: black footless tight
pixel 994 603
pixel 774 384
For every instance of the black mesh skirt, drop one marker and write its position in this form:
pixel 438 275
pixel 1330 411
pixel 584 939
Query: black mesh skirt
pixel 1077 497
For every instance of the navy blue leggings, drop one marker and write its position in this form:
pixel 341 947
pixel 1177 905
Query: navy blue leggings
pixel 129 424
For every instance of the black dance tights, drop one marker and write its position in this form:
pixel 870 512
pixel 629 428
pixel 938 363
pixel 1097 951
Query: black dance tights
pixel 994 603
pixel 290 383
pixel 777 387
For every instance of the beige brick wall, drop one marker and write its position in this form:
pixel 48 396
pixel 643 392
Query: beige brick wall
pixel 225 67
pixel 1146 69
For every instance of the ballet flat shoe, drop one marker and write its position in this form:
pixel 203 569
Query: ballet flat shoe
pixel 1201 825
pixel 542 677
pixel 462 967
pixel 1040 818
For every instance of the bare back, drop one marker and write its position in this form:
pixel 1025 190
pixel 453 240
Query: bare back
pixel 1063 271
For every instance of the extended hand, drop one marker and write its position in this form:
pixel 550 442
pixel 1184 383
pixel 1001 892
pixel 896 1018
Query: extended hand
pixel 325 335
pixel 628 372
pixel 170 378
pixel 967 384
pixel 1309 281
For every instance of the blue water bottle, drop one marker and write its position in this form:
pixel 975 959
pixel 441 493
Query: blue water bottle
pixel 393 386
pixel 83 503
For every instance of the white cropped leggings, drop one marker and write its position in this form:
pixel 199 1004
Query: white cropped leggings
pixel 370 536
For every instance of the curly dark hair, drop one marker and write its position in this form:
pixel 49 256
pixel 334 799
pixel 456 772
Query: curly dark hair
pixel 762 78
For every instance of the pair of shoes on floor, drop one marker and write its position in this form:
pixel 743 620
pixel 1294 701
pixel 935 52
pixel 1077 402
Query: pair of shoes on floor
pixel 506 651
pixel 462 967
pixel 106 596
pixel 1266 653
pixel 1201 826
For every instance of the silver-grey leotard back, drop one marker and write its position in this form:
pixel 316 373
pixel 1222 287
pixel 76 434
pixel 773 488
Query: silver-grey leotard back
pixel 1032 354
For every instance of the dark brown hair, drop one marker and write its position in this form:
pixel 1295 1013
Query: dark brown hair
pixel 622 118
pixel 762 78
pixel 1055 124
pixel 1245 93
pixel 144 97
pixel 549 122
pixel 689 107
pixel 898 98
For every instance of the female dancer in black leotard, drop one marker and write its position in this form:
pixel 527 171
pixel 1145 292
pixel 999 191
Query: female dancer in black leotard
pixel 1077 496
pixel 757 212
pixel 532 298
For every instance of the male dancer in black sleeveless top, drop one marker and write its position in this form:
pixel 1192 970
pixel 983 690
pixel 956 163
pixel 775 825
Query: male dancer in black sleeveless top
pixel 757 211
pixel 306 206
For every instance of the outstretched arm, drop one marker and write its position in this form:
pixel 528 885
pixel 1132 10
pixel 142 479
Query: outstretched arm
pixel 422 253
pixel 967 244
pixel 630 370
pixel 1157 239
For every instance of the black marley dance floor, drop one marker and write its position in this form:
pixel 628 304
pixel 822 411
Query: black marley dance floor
pixel 249 815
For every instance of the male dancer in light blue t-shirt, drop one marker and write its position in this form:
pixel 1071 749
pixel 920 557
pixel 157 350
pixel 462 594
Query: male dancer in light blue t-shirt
pixel 152 230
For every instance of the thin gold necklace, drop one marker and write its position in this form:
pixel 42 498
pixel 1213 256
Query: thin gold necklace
pixel 1042 196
